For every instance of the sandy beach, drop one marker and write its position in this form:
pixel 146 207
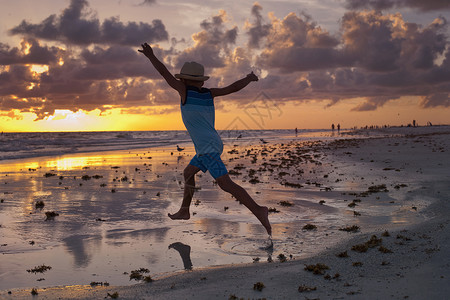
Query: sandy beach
pixel 365 216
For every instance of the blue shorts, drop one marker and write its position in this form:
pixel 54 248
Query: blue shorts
pixel 210 162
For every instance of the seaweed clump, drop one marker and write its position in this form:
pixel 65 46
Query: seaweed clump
pixel 258 286
pixel 39 269
pixel 353 228
pixel 304 288
pixel 139 275
pixel 50 215
pixel 317 269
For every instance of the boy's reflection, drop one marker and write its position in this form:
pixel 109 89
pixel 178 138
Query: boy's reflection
pixel 185 253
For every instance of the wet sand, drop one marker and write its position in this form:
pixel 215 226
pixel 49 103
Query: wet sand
pixel 396 184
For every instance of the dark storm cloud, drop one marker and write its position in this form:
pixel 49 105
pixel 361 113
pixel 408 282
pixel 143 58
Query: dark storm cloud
pixel 76 25
pixel 37 54
pixel 435 100
pixel 427 5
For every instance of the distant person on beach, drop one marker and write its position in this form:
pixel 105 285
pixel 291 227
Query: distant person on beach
pixel 332 127
pixel 198 114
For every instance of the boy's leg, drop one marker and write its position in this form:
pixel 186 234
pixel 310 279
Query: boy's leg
pixel 189 187
pixel 261 212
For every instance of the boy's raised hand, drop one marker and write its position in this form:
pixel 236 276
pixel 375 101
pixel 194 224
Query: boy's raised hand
pixel 146 50
pixel 252 76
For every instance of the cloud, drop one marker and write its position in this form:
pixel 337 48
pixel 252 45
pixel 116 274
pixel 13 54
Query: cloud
pixel 297 44
pixel 212 44
pixel 147 2
pixel 436 100
pixel 78 26
pixel 257 30
pixel 375 56
pixel 30 52
pixel 421 5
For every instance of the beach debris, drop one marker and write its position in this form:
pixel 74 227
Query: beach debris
pixel 352 204
pixel 371 243
pixel 256 259
pixel 113 190
pixel 385 233
pixel 258 286
pixel 342 254
pixel 322 202
pixel 353 228
pixel 291 184
pixel 355 213
pixel 360 248
pixel 233 172
pixel 49 174
pixel 95 283
pixel 398 186
pixel 139 275
pixel 39 269
pixel 225 208
pixel 39 205
pixel 254 180
pixel 374 241
pixel 384 249
pixel 317 269
pixel 273 210
pixel 50 215
pixel 304 288
pixel 114 295
pixel 378 188
pixel 86 177
pixel 281 257
pixel 357 264
pixel 285 203
pixel 309 227
pixel 34 292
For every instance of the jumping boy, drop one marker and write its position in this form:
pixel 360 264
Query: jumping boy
pixel 198 114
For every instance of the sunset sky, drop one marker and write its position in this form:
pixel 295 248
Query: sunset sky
pixel 71 65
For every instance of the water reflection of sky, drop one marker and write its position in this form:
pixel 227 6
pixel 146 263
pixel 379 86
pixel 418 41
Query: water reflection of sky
pixel 118 222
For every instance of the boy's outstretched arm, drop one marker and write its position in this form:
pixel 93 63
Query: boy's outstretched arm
pixel 234 87
pixel 161 68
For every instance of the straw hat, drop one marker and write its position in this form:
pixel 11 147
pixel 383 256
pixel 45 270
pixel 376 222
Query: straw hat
pixel 192 71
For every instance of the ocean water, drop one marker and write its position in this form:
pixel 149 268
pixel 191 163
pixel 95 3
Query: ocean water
pixel 35 144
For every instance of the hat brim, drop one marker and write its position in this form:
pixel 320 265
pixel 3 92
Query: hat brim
pixel 191 77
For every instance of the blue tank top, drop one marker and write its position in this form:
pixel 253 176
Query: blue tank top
pixel 198 115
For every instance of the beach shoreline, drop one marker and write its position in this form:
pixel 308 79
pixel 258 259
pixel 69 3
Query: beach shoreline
pixel 417 268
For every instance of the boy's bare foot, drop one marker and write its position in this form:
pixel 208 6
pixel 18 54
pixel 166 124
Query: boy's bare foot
pixel 182 214
pixel 263 217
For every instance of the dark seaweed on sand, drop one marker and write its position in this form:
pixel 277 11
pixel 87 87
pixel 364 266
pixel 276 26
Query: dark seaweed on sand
pixel 258 286
pixel 353 228
pixel 50 215
pixel 317 269
pixel 39 269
